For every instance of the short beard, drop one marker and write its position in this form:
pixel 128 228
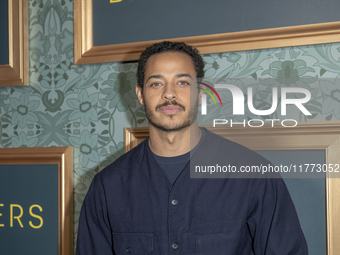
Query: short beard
pixel 192 116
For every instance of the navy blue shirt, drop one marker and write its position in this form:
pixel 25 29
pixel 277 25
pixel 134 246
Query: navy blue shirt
pixel 131 208
pixel 173 166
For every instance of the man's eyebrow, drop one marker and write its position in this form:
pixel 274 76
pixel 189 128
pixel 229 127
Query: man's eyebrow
pixel 157 76
pixel 183 75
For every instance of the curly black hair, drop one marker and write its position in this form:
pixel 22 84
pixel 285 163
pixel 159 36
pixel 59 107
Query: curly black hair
pixel 167 46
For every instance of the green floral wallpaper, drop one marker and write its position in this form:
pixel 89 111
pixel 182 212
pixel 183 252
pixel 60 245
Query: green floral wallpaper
pixel 87 107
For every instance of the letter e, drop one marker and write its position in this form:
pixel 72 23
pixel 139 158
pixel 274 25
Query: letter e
pixel 1 225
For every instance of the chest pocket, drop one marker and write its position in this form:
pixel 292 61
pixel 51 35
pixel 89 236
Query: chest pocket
pixel 220 237
pixel 133 243
pixel 217 244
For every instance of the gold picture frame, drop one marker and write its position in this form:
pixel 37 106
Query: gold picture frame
pixel 86 53
pixel 63 157
pixel 16 73
pixel 305 136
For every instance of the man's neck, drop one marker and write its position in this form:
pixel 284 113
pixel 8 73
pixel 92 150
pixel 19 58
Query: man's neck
pixel 172 144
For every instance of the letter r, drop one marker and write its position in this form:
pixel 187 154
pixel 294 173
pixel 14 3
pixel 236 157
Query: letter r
pixel 297 101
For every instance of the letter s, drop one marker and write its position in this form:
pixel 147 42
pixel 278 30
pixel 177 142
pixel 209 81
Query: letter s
pixel 36 216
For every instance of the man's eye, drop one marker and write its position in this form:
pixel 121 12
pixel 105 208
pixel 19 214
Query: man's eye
pixel 155 84
pixel 183 83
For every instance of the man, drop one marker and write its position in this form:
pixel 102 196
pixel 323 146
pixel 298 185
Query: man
pixel 146 202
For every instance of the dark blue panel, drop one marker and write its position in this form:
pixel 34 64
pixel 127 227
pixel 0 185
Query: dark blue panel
pixel 308 196
pixel 22 186
pixel 4 33
pixel 133 21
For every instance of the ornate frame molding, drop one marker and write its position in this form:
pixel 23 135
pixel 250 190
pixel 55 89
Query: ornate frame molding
pixel 16 73
pixel 305 136
pixel 63 157
pixel 86 53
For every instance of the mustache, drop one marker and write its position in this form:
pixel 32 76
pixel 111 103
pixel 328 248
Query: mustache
pixel 170 102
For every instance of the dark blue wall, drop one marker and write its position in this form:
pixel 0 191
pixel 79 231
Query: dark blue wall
pixel 4 32
pixel 133 21
pixel 27 185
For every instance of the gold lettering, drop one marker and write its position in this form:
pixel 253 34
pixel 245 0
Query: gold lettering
pixel 1 225
pixel 115 1
pixel 16 217
pixel 36 216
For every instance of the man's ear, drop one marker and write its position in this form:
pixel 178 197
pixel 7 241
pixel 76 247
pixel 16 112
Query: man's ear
pixel 139 93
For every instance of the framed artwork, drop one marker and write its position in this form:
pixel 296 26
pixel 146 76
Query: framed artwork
pixel 109 31
pixel 36 201
pixel 14 66
pixel 323 137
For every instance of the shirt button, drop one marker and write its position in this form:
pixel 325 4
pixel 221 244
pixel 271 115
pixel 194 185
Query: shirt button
pixel 128 249
pixel 174 202
pixel 175 246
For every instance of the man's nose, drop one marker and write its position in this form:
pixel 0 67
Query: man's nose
pixel 169 92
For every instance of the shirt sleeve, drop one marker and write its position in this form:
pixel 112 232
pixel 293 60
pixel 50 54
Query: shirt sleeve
pixel 94 231
pixel 273 222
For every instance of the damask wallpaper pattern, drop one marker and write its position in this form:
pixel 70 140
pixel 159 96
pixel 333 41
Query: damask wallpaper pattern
pixel 87 106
